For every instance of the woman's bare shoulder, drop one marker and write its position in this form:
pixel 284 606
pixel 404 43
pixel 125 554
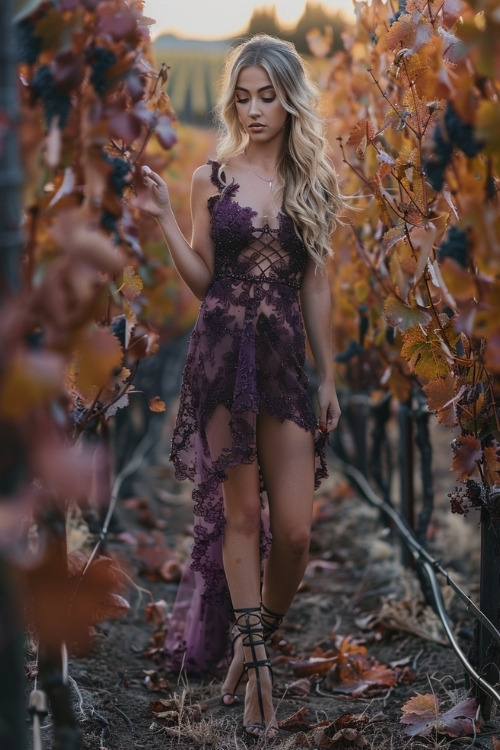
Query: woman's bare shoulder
pixel 203 175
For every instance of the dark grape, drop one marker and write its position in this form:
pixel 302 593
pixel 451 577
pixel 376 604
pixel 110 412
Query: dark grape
pixel 461 133
pixel 28 45
pixel 437 162
pixel 119 173
pixel 56 103
pixel 101 60
pixel 455 245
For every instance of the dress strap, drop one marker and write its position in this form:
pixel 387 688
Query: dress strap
pixel 215 178
pixel 218 179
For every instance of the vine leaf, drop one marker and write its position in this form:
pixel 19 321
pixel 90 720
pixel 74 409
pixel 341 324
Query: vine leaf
pixel 132 284
pixel 422 239
pixel 442 398
pixel 402 316
pixel 425 354
pixel 99 353
pixel 30 380
pixel 361 136
pixel 466 456
pixel 422 715
pixel 459 282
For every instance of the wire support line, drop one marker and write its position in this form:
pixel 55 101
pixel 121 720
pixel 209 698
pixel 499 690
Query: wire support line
pixel 431 566
pixel 438 599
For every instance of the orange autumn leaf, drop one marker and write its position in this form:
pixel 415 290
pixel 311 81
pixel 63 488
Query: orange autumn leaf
pixel 98 354
pixel 441 396
pixel 466 455
pixel 157 405
pixel 422 716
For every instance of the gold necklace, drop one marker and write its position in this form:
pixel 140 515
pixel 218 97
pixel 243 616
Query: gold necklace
pixel 264 179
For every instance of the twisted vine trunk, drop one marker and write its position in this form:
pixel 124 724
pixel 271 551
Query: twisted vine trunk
pixel 12 684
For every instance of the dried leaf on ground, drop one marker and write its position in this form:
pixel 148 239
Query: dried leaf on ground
pixel 422 715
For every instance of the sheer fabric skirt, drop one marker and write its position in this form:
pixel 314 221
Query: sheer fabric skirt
pixel 246 352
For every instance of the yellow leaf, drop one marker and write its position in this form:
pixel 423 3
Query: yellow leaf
pixel 131 285
pixel 488 125
pixel 98 354
pixel 30 380
pixel 459 282
pixel 425 354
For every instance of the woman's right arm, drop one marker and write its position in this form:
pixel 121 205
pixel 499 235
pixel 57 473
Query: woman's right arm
pixel 194 262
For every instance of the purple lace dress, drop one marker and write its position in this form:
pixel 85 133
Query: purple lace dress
pixel 247 351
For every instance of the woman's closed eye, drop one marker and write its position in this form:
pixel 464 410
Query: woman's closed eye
pixel 265 99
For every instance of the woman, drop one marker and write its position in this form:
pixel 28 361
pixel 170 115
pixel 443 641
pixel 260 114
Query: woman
pixel 262 214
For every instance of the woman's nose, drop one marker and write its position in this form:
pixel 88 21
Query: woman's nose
pixel 254 107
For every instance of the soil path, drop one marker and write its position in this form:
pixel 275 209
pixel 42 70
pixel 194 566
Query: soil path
pixel 356 600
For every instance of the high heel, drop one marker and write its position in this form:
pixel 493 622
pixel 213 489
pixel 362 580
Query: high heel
pixel 250 625
pixel 271 621
pixel 231 698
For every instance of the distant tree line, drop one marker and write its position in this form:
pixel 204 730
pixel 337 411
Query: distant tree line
pixel 329 23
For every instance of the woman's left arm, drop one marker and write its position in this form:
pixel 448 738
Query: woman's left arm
pixel 316 304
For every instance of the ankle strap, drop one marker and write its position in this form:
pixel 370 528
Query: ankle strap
pixel 267 615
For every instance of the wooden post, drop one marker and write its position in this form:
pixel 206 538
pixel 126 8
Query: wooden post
pixel 488 651
pixel 11 176
pixel 407 492
pixel 12 683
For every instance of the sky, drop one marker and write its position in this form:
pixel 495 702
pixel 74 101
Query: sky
pixel 217 19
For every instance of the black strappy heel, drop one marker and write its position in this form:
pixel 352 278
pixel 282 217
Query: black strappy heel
pixel 250 625
pixel 271 621
pixel 231 698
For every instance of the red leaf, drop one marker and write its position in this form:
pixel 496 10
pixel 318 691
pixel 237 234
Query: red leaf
pixel 467 454
pixel 423 717
pixel 165 133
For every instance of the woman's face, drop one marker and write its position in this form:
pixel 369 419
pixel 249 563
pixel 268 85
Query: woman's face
pixel 260 112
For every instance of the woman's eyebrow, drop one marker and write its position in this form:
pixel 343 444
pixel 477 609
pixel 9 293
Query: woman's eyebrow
pixel 262 88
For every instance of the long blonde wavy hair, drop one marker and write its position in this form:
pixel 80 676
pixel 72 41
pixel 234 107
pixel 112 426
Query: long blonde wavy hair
pixel 311 194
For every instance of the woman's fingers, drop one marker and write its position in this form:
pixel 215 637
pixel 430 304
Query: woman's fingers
pixel 148 174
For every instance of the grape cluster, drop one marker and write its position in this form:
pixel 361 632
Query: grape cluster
pixel 120 170
pixel 100 60
pixel 56 103
pixel 118 179
pixel 28 45
pixel 455 246
pixel 453 133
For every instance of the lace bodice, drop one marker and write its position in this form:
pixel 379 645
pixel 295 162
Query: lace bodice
pixel 247 252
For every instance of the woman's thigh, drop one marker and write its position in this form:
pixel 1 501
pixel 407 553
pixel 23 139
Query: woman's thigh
pixel 241 490
pixel 286 457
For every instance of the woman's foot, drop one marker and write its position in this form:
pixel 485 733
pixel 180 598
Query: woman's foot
pixel 236 676
pixel 258 718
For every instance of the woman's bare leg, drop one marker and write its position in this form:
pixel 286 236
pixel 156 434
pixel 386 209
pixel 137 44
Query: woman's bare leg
pixel 286 456
pixel 241 544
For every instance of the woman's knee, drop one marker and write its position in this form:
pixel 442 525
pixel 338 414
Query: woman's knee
pixel 294 540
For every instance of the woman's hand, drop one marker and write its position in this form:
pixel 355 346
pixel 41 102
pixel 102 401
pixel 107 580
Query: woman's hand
pixel 156 201
pixel 329 408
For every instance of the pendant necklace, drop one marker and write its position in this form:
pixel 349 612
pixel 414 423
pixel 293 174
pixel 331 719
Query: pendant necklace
pixel 264 179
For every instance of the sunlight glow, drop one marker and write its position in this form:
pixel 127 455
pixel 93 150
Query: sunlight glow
pixel 219 19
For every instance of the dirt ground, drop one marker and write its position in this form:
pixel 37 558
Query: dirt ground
pixel 356 598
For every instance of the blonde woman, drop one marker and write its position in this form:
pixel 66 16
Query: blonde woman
pixel 263 213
